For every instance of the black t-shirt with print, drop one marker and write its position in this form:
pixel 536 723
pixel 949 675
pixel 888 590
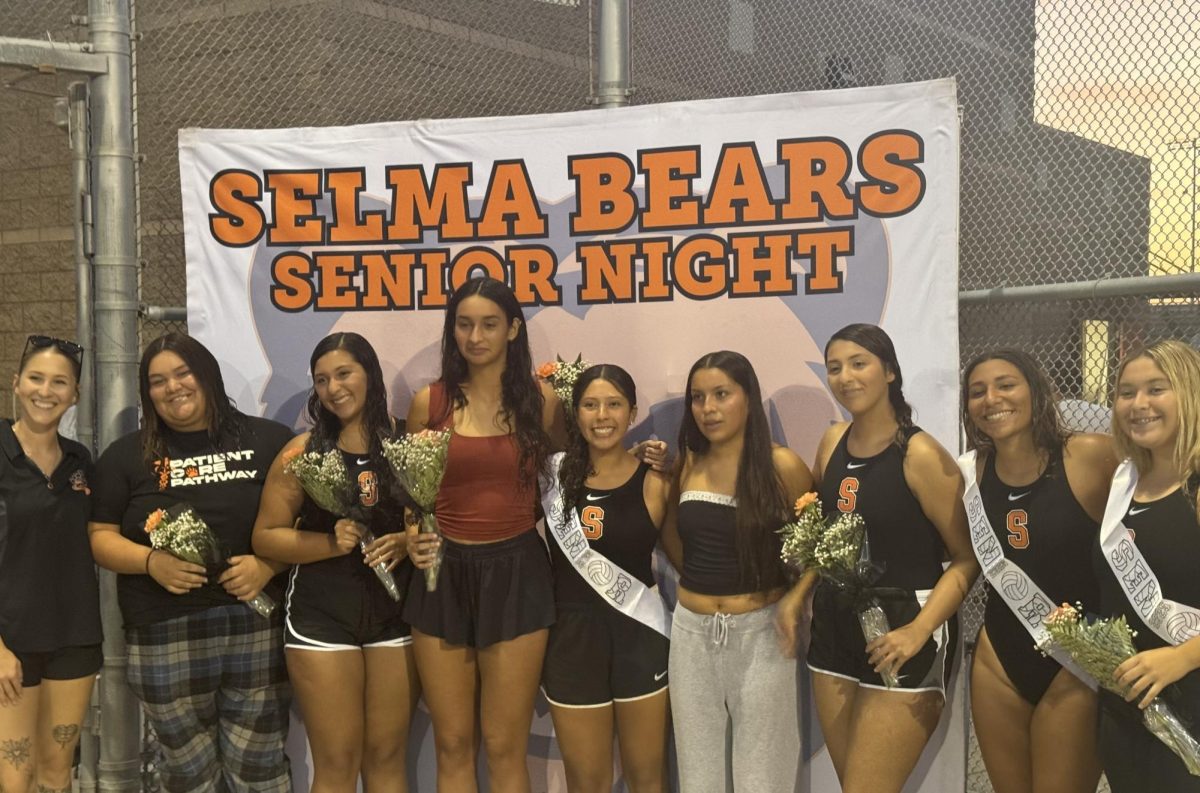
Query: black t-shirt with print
pixel 222 483
pixel 49 598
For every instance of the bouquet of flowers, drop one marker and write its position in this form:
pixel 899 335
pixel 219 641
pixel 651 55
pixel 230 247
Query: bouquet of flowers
pixel 1099 647
pixel 840 552
pixel 562 375
pixel 419 462
pixel 181 531
pixel 327 482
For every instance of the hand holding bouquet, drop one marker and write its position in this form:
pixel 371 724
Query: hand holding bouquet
pixel 324 477
pixel 839 551
pixel 419 462
pixel 1099 647
pixel 181 532
pixel 562 376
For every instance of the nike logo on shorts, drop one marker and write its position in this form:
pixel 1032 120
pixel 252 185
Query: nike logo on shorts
pixel 660 675
pixel 1018 496
pixel 855 465
pixel 591 497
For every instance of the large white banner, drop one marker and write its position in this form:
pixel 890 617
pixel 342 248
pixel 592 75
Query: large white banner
pixel 644 236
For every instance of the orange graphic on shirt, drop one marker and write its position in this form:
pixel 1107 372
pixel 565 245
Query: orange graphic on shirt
pixel 848 494
pixel 368 488
pixel 592 518
pixel 163 469
pixel 1018 529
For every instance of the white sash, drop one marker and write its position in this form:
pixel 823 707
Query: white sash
pixel 1024 598
pixel 622 591
pixel 1174 622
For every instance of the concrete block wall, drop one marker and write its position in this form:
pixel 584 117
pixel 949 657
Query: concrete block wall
pixel 37 276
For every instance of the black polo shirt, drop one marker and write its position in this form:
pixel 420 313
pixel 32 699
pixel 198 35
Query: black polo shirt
pixel 49 598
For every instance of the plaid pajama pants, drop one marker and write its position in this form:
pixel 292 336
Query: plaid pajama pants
pixel 215 689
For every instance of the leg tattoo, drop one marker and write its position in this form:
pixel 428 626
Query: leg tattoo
pixel 64 734
pixel 15 751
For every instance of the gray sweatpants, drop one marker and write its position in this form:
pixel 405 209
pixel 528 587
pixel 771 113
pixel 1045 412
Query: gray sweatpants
pixel 734 704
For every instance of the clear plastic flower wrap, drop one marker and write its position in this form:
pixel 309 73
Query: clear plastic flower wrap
pixel 181 532
pixel 1099 646
pixel 840 552
pixel 419 463
pixel 324 477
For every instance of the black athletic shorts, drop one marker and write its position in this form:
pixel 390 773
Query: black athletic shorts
pixel 486 593
pixel 348 614
pixel 596 655
pixel 838 648
pixel 65 663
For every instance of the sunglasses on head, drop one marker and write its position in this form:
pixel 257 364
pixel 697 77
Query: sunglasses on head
pixel 67 348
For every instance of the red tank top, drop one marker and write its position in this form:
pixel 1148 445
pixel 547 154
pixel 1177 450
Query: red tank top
pixel 481 498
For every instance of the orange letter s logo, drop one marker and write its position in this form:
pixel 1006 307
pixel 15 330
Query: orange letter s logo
pixel 592 518
pixel 848 494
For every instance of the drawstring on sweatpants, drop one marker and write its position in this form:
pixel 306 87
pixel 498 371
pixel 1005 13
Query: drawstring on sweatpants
pixel 718 627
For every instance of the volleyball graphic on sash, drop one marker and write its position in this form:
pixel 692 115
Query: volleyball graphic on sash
pixel 1013 585
pixel 1183 626
pixel 599 571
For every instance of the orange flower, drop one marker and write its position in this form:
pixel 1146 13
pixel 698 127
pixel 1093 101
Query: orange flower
pixel 546 371
pixel 1064 613
pixel 804 500
pixel 155 519
pixel 292 454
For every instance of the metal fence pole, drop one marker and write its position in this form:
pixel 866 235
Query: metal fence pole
pixel 116 349
pixel 612 54
pixel 77 129
pixel 85 409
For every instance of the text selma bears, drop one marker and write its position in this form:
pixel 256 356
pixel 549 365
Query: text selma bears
pixel 639 229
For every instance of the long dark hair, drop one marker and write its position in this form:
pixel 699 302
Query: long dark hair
pixel 521 400
pixel 576 464
pixel 377 422
pixel 762 502
pixel 224 421
pixel 875 340
pixel 1048 431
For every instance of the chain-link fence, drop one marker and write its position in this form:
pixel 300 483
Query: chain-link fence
pixel 1080 143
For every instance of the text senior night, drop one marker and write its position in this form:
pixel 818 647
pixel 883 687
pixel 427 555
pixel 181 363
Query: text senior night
pixel 699 245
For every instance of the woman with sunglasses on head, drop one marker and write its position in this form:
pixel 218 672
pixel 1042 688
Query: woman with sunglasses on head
pixel 1043 491
pixel 733 684
pixel 479 639
pixel 348 650
pixel 908 491
pixel 49 601
pixel 1149 544
pixel 606 660
pixel 208 669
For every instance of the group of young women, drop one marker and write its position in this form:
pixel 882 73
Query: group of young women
pixel 584 620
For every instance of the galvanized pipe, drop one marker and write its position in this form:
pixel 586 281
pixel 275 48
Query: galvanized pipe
pixel 85 409
pixel 57 55
pixel 613 86
pixel 77 131
pixel 116 354
pixel 1147 286
pixel 164 313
